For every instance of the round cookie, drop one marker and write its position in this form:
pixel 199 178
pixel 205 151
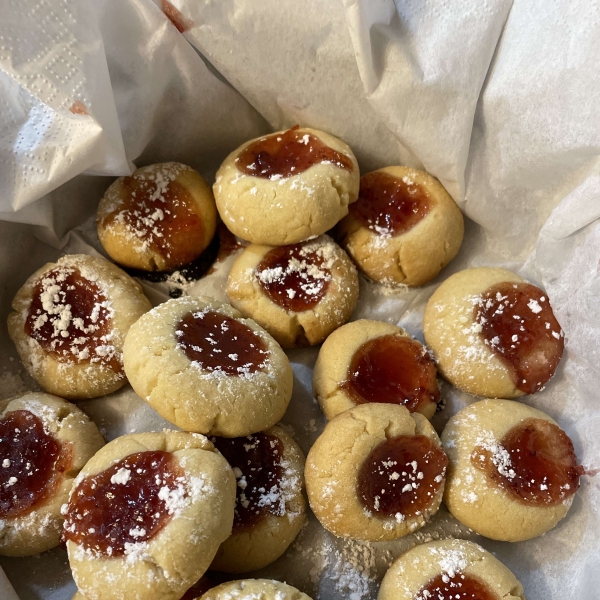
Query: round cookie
pixel 512 473
pixel 286 187
pixel 160 218
pixel 270 508
pixel 44 443
pixel 371 361
pixel 376 473
pixel 69 322
pixel 146 516
pixel 205 369
pixel 298 293
pixel 254 589
pixel 403 229
pixel 449 570
pixel 492 333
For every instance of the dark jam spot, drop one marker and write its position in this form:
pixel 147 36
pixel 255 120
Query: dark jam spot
pixel 395 370
pixel 256 461
pixel 456 587
pixel 127 503
pixel 288 153
pixel 390 205
pixel 295 277
pixel 519 326
pixel 220 343
pixel 160 211
pixel 535 462
pixel 69 316
pixel 402 476
pixel 32 463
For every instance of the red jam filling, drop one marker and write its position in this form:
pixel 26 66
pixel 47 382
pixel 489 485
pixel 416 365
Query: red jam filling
pixel 126 504
pixel 71 319
pixel 256 462
pixel 518 324
pixel 296 277
pixel 389 205
pixel 402 476
pixel 458 586
pixel 535 462
pixel 160 211
pixel 288 153
pixel 395 370
pixel 32 463
pixel 222 344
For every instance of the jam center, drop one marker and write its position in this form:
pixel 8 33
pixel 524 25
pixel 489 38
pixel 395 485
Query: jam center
pixel 71 317
pixel 126 504
pixel 256 462
pixel 296 277
pixel 458 586
pixel 31 463
pixel 221 344
pixel 402 476
pixel 390 205
pixel 535 462
pixel 288 153
pixel 395 370
pixel 518 324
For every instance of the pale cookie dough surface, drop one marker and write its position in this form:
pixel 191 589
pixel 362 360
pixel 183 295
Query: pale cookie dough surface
pixel 288 327
pixel 415 568
pixel 192 398
pixel 254 547
pixel 471 496
pixel 39 530
pixel 165 566
pixel 333 363
pixel 413 257
pixel 286 210
pixel 86 374
pixel 333 464
pixel 455 338
pixel 166 222
pixel 254 589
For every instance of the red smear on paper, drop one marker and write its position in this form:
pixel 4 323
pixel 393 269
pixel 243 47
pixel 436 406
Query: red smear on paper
pixel 174 15
pixel 78 108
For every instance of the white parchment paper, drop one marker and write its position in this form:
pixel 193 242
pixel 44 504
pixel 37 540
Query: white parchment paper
pixel 500 100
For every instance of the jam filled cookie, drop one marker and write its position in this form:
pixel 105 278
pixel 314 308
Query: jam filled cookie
pixel 375 473
pixel 370 361
pixel 44 443
pixel 159 219
pixel 298 293
pixel 449 570
pixel 146 516
pixel 69 323
pixel 269 507
pixel 205 369
pixel 513 472
pixel 492 333
pixel 286 187
pixel 254 589
pixel 404 228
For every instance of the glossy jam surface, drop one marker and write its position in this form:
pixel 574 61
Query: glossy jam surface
pixel 218 343
pixel 535 462
pixel 395 370
pixel 256 462
pixel 390 205
pixel 402 476
pixel 288 153
pixel 126 504
pixel 296 277
pixel 458 586
pixel 71 318
pixel 518 324
pixel 31 463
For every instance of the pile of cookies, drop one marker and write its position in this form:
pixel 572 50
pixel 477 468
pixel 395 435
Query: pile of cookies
pixel 146 515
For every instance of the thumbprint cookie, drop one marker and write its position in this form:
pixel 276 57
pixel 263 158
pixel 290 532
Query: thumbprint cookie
pixel 254 589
